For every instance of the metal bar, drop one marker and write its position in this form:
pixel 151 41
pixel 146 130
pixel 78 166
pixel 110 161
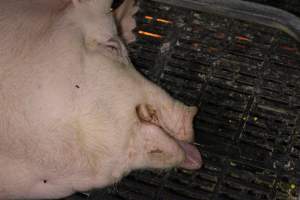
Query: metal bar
pixel 247 11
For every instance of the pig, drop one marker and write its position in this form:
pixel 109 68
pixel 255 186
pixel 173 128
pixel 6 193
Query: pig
pixel 74 113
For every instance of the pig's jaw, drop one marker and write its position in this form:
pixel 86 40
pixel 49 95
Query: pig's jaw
pixel 181 154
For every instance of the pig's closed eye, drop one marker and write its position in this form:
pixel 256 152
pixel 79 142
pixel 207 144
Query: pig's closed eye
pixel 113 46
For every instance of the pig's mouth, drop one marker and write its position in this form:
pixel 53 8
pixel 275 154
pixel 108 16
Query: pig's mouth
pixel 193 159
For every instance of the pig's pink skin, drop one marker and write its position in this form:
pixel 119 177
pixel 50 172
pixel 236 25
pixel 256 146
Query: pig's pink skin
pixel 68 117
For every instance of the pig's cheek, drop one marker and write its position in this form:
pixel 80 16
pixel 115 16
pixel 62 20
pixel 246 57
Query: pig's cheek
pixel 160 157
pixel 160 150
pixel 154 148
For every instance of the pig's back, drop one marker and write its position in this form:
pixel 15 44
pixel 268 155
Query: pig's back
pixel 39 60
pixel 39 68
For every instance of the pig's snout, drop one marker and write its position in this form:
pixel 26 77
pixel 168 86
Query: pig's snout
pixel 169 134
pixel 185 123
pixel 177 120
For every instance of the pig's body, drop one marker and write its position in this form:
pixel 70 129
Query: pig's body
pixel 74 114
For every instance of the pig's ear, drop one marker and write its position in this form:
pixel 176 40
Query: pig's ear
pixel 124 15
pixel 102 5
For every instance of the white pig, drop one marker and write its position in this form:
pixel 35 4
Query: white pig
pixel 74 113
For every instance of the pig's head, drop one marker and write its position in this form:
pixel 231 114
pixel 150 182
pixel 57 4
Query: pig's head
pixel 161 128
pixel 157 135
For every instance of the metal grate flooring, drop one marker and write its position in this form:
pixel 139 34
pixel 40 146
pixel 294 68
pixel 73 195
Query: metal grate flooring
pixel 246 80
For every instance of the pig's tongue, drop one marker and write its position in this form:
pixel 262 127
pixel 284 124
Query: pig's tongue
pixel 193 158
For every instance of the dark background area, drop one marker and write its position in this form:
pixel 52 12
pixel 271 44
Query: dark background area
pixel 292 6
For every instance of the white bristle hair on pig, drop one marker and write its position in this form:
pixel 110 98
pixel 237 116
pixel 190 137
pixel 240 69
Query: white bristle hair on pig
pixel 74 113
